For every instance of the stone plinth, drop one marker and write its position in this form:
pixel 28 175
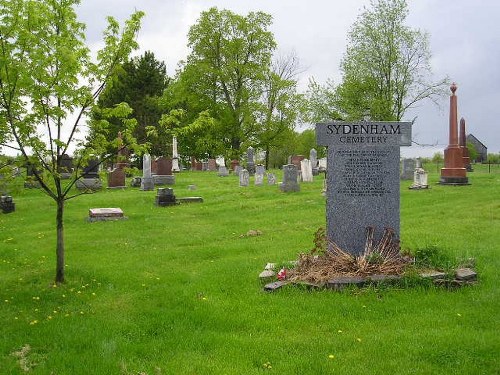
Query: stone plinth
pixel 104 214
pixel 164 180
pixel 7 205
pixel 92 184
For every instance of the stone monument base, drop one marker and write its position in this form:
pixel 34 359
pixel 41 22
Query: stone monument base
pixel 147 184
pixel 88 184
pixel 164 179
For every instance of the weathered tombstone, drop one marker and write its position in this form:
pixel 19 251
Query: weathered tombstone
pixel 313 157
pixel 175 156
pixel 259 174
pixel 220 161
pixel 244 177
pixel 407 168
pixel 164 174
pixel 362 179
pixel 223 171
pixel 271 179
pixel 419 179
pixel 165 197
pixel 116 178
pixel 147 183
pixel 234 163
pixel 250 161
pixel 290 176
pixel 322 165
pixel 136 181
pixel 90 179
pixel 7 205
pixel 306 169
pixel 212 165
pixel 237 170
pixel 204 165
pixel 295 160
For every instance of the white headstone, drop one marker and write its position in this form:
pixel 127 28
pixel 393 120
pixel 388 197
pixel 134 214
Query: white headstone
pixel 244 177
pixel 147 182
pixel 306 169
pixel 175 156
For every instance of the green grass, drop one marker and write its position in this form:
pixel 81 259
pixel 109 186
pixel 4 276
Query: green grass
pixel 174 290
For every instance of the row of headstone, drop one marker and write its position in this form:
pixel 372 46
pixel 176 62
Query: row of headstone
pixel 244 177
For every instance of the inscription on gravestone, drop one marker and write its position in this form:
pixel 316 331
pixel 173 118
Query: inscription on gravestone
pixel 362 179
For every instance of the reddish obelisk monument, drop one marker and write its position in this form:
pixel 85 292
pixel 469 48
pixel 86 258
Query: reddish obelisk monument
pixel 454 172
pixel 463 146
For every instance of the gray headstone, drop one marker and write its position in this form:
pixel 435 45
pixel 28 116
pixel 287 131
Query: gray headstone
pixel 271 179
pixel 244 177
pixel 223 171
pixel 259 174
pixel 290 176
pixel 250 161
pixel 322 164
pixel 147 182
pixel 407 168
pixel 237 170
pixel 362 179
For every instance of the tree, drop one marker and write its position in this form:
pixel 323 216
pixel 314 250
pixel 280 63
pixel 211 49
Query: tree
pixel 48 83
pixel 140 82
pixel 386 68
pixel 280 104
pixel 225 72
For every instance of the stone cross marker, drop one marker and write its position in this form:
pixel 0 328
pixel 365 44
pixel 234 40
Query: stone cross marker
pixel 362 179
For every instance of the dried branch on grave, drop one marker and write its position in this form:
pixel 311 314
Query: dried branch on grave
pixel 382 258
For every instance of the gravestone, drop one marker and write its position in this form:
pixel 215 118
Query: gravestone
pixel 250 161
pixel 220 161
pixel 164 174
pixel 407 168
pixel 419 177
pixel 116 178
pixel 66 168
pixel 234 163
pixel 175 156
pixel 7 205
pixel 244 177
pixel 322 165
pixel 147 183
pixel 204 165
pixel 290 177
pixel 212 165
pixel 136 181
pixel 259 174
pixel 105 214
pixel 271 179
pixel 165 197
pixel 306 170
pixel 90 179
pixel 223 171
pixel 362 179
pixel 237 170
pixel 313 157
pixel 295 160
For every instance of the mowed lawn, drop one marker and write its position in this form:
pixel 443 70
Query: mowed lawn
pixel 175 290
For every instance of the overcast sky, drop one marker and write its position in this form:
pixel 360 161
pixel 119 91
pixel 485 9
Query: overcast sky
pixel 464 40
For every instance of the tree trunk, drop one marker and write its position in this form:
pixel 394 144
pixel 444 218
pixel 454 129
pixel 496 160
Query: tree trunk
pixel 267 158
pixel 60 242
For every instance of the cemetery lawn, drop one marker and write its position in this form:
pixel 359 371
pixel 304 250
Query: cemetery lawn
pixel 175 290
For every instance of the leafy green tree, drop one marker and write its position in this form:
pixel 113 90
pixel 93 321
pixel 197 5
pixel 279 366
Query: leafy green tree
pixel 321 102
pixel 473 153
pixel 280 104
pixel 140 82
pixel 225 73
pixel 47 75
pixel 386 67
